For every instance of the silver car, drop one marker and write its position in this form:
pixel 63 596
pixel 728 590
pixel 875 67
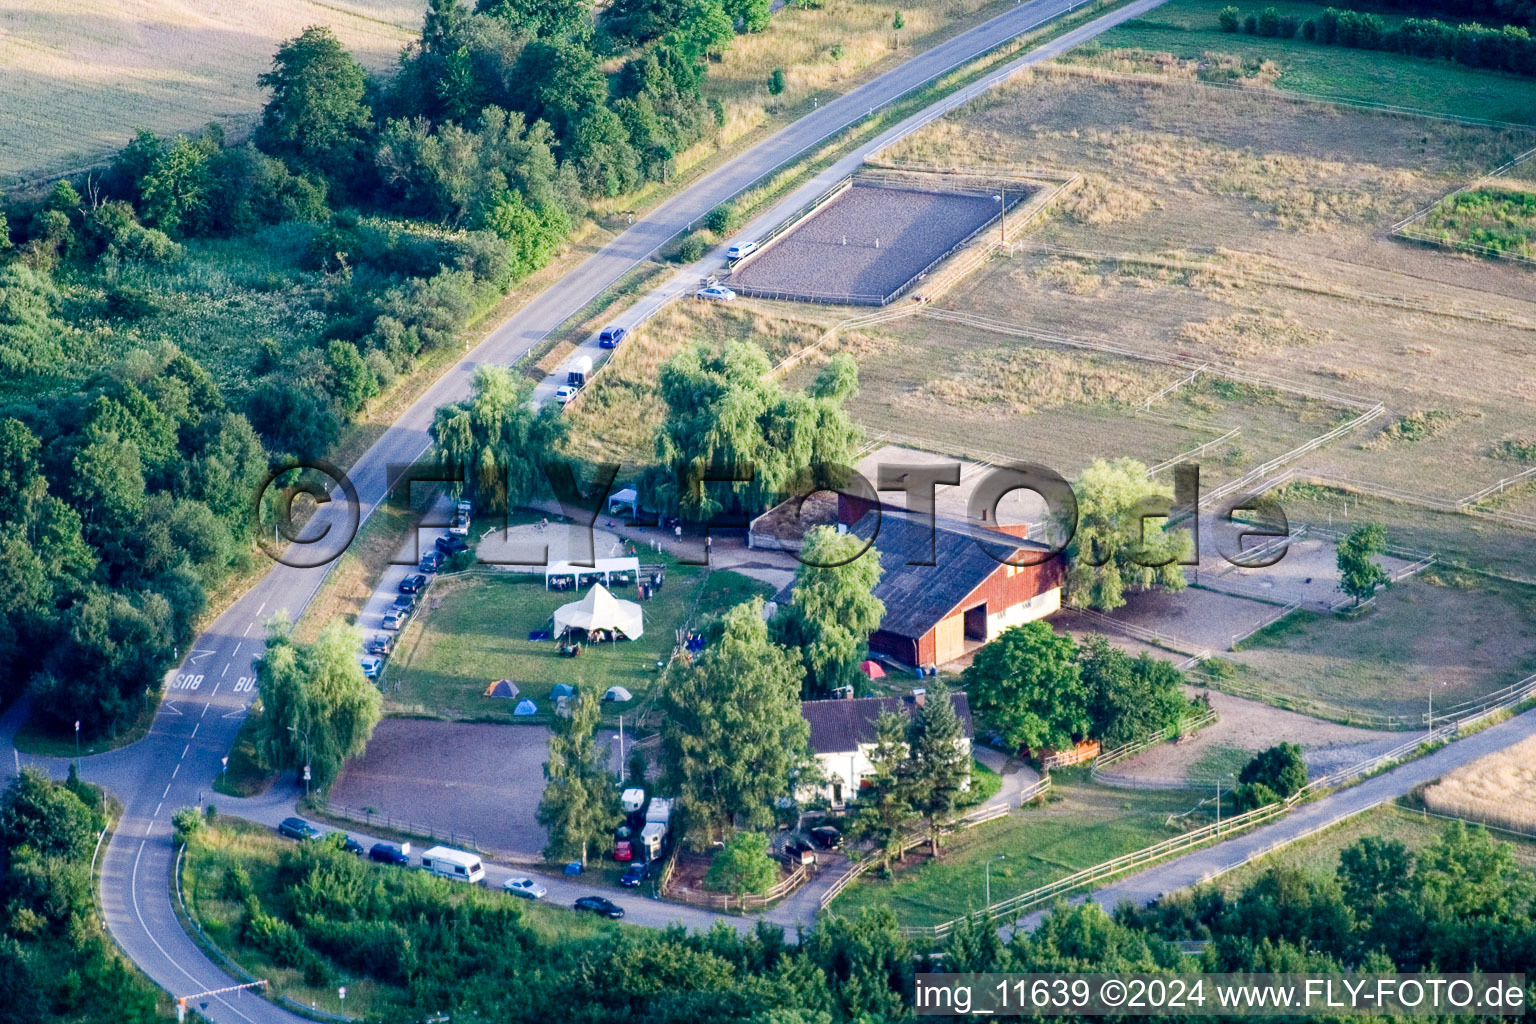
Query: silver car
pixel 715 293
pixel 527 888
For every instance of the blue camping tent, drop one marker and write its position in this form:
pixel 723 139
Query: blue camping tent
pixel 525 707
pixel 562 690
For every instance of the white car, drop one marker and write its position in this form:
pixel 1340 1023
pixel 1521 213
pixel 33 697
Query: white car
pixel 372 665
pixel 715 293
pixel 741 252
pixel 565 393
pixel 527 888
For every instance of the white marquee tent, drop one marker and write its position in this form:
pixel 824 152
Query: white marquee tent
pixel 607 568
pixel 600 610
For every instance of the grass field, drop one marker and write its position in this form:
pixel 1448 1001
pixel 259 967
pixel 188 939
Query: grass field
pixel 1246 228
pixel 1501 218
pixel 1083 825
pixel 257 849
pixel 1187 30
pixel 1499 789
pixel 479 634
pixel 1459 540
pixel 1463 636
pixel 77 77
pixel 1319 855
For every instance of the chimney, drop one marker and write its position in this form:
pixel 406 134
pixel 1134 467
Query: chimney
pixel 919 697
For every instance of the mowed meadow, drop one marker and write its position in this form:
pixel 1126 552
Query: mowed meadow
pixel 78 76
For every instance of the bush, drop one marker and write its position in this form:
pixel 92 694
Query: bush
pixel 1269 23
pixel 691 249
pixel 1288 27
pixel 187 822
pixel 1309 30
pixel 1251 25
pixel 742 866
pixel 1228 19
pixel 722 219
pixel 1253 796
pixel 1280 769
pixel 776 82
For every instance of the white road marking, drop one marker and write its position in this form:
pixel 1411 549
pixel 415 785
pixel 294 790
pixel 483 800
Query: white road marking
pixel 147 826
pixel 133 889
pixel 167 791
pixel 185 749
pixel 261 609
pixel 237 649
pixel 157 809
pixel 248 629
pixel 174 771
pixel 196 727
pixel 225 672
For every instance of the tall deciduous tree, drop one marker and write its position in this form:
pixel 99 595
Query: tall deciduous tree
pixel 497 439
pixel 1128 698
pixel 1027 685
pixel 1122 544
pixel 733 740
pixel 1359 573
pixel 726 413
pixel 941 761
pixel 317 115
pixel 580 804
pixel 315 700
pixel 832 610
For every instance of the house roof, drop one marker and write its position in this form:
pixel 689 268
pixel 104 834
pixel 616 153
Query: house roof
pixel 917 597
pixel 841 726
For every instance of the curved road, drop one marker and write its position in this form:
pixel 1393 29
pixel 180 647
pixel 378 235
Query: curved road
pixel 208 694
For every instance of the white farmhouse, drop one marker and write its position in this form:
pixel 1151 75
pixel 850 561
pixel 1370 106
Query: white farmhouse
pixel 843 734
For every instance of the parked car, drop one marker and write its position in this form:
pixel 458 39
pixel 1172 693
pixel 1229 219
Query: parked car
pixel 826 837
pixel 395 618
pixel 715 293
pixel 450 546
pixel 600 905
pixel 413 583
pixel 610 337
pixel 635 874
pixel 389 853
pixel 741 251
pixel 372 665
pixel 527 888
pixel 297 828
pixel 623 851
pixel 431 562
pixel 566 393
pixel 405 602
pixel 351 846
pixel 381 644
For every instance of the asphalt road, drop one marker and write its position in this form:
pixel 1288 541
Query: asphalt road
pixel 208 694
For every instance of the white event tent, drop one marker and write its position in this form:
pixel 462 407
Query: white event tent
pixel 607 568
pixel 600 610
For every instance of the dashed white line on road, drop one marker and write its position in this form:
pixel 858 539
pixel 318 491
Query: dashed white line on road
pixel 147 826
pixel 157 809
pixel 196 727
pixel 167 791
pixel 248 629
pixel 185 749
pixel 175 769
pixel 261 609
pixel 237 649
pixel 225 672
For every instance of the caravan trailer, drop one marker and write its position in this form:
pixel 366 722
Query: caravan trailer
pixel 455 864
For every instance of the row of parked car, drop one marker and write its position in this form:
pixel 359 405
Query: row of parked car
pixel 446 862
pixel 380 646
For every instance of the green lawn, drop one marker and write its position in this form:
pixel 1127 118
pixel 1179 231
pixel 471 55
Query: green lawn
pixel 1188 29
pixel 1084 825
pixel 479 633
pixel 1466 636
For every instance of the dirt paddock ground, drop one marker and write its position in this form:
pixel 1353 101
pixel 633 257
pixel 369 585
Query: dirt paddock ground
pixel 483 779
pixel 865 245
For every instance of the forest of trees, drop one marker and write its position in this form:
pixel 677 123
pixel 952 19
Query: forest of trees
pixel 403 205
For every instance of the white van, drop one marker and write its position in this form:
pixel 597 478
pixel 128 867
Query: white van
pixel 455 864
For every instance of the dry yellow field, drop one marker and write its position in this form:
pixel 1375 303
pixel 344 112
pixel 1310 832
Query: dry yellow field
pixel 1499 789
pixel 77 76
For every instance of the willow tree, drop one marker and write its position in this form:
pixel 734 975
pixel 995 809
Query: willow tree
pixel 496 438
pixel 832 610
pixel 315 701
pixel 1122 542
pixel 734 442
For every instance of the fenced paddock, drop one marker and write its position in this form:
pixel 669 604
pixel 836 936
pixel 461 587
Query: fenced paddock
pixel 871 241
